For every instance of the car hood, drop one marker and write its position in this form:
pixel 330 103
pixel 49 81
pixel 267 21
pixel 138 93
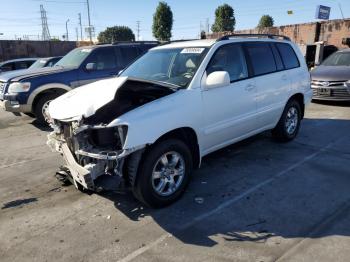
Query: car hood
pixel 331 73
pixel 85 100
pixel 19 75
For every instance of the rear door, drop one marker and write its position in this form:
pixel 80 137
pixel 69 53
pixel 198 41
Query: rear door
pixel 105 65
pixel 230 110
pixel 272 82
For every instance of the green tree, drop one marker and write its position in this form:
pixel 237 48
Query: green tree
pixel 224 19
pixel 116 33
pixel 265 21
pixel 162 22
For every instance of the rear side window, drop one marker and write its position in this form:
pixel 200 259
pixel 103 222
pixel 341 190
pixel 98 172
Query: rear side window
pixel 8 67
pixel 23 64
pixel 129 54
pixel 229 58
pixel 261 58
pixel 288 55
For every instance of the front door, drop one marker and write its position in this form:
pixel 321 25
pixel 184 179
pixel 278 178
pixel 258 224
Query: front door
pixel 229 111
pixel 105 66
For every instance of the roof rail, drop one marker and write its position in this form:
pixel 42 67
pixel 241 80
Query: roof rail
pixel 176 41
pixel 271 36
pixel 135 42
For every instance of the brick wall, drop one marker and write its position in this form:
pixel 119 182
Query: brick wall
pixel 332 31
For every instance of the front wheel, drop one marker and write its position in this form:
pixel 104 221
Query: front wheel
pixel 42 106
pixel 164 173
pixel 289 123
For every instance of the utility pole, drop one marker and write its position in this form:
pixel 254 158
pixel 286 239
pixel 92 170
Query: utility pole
pixel 89 29
pixel 77 33
pixel 138 30
pixel 67 36
pixel 45 35
pixel 81 27
pixel 341 10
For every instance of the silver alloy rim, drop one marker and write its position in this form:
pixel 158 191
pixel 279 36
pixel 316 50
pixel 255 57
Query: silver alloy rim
pixel 45 108
pixel 168 173
pixel 291 120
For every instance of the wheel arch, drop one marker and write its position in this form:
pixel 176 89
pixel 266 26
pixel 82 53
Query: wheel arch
pixel 299 97
pixel 46 89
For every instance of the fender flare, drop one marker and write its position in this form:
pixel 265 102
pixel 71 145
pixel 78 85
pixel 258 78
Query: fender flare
pixel 43 88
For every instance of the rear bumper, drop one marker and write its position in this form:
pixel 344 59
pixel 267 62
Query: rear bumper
pixel 14 106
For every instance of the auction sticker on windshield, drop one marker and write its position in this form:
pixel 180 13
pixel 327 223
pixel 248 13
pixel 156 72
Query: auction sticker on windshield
pixel 192 50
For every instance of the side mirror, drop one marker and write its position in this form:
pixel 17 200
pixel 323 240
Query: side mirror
pixel 217 79
pixel 91 66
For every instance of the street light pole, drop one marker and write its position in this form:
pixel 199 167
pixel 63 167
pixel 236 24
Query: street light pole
pixel 67 37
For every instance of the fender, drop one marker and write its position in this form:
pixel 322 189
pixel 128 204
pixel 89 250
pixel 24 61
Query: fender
pixel 44 88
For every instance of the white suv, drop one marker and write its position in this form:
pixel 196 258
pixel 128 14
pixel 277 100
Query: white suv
pixel 149 127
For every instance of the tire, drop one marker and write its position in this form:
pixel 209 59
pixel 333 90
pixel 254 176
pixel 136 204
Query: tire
pixel 286 131
pixel 38 110
pixel 147 183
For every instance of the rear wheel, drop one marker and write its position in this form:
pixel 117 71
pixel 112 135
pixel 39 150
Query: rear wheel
pixel 289 123
pixel 42 106
pixel 164 173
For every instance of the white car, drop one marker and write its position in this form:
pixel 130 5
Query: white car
pixel 149 127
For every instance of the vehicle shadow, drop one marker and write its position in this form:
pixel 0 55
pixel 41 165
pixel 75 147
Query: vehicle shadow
pixel 332 103
pixel 243 192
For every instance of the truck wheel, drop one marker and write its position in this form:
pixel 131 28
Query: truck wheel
pixel 164 173
pixel 289 123
pixel 42 105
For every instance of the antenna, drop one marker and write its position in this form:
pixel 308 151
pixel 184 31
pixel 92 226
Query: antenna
pixel 138 30
pixel 45 35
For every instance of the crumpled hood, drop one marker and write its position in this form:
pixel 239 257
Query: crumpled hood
pixel 85 100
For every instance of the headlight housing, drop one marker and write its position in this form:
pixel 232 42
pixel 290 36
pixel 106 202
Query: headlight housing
pixel 19 87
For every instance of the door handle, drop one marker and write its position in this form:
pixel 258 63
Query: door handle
pixel 249 87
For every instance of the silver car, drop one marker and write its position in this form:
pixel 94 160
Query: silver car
pixel 330 80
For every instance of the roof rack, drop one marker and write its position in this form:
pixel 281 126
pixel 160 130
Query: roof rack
pixel 178 41
pixel 135 42
pixel 271 36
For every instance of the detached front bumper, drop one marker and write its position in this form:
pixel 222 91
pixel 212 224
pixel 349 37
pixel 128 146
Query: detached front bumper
pixel 89 176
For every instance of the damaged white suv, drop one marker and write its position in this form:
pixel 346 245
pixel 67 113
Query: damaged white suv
pixel 149 127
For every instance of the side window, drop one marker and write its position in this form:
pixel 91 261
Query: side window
pixel 261 57
pixel 21 65
pixel 277 56
pixel 129 54
pixel 104 59
pixel 8 67
pixel 290 59
pixel 229 58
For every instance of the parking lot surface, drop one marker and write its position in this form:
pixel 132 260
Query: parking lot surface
pixel 254 201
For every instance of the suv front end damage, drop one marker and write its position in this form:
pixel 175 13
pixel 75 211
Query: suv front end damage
pixel 94 155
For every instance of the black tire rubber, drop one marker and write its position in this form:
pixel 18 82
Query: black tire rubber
pixel 39 105
pixel 279 132
pixel 30 115
pixel 143 189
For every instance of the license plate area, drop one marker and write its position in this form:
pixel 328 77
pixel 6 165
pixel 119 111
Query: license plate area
pixel 324 91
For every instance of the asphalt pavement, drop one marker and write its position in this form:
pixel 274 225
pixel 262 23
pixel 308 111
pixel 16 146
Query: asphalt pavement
pixel 258 200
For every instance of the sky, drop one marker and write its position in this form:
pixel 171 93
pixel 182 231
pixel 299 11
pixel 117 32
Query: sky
pixel 22 17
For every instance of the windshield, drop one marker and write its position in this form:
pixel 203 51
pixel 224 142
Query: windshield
pixel 338 59
pixel 74 58
pixel 175 66
pixel 38 64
